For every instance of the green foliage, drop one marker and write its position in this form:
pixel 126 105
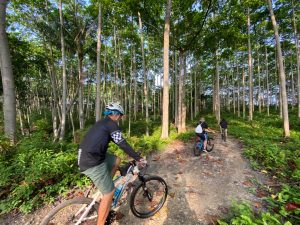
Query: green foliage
pixel 242 214
pixel 5 145
pixel 145 144
pixel 38 169
pixel 267 149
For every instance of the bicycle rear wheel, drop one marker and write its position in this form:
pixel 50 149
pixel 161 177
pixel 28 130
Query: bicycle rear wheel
pixel 209 146
pixel 196 149
pixel 69 212
pixel 148 197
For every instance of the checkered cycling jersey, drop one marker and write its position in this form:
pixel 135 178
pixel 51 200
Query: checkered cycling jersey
pixel 93 148
pixel 117 136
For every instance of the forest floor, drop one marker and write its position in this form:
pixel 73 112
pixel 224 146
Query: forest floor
pixel 201 189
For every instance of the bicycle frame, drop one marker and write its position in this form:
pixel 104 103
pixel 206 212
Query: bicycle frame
pixel 200 142
pixel 131 174
pixel 128 179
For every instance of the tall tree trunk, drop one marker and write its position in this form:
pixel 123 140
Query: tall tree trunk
pixel 293 86
pixel 55 99
pixel 116 63
pixel 165 105
pixel 267 77
pixel 244 93
pixel 180 90
pixel 80 88
pixel 238 92
pixel 250 65
pixel 9 96
pixel 183 102
pixel 64 75
pixel 281 72
pixel 217 89
pixel 88 104
pixel 195 94
pixel 297 44
pixel 135 102
pixel 259 84
pixel 176 87
pixel 145 75
pixel 98 78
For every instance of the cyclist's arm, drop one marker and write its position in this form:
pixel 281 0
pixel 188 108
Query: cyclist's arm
pixel 117 137
pixel 129 150
pixel 210 130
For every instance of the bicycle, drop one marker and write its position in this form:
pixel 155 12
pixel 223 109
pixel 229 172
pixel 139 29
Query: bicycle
pixel 199 145
pixel 147 197
pixel 223 134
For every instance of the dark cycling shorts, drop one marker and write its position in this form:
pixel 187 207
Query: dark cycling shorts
pixel 202 136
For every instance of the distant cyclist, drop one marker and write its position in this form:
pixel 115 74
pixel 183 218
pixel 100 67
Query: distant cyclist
pixel 96 163
pixel 223 126
pixel 201 131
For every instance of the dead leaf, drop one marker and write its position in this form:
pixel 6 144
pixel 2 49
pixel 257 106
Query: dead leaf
pixel 257 204
pixel 247 183
pixel 172 195
pixel 292 206
pixel 156 158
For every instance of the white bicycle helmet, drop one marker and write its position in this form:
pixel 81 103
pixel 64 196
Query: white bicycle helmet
pixel 114 106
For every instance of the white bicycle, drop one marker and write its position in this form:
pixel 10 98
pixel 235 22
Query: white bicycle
pixel 147 196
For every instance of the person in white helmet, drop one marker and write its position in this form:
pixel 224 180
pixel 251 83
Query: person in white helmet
pixel 96 163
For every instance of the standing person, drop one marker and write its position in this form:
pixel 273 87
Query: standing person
pixel 96 163
pixel 223 126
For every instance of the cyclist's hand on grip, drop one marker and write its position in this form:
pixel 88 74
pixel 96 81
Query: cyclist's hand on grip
pixel 142 163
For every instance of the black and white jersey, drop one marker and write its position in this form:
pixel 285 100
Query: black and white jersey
pixel 93 148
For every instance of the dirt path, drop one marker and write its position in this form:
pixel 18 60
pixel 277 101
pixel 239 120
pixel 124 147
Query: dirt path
pixel 201 189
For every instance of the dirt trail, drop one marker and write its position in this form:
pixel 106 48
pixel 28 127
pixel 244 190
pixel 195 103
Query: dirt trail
pixel 201 189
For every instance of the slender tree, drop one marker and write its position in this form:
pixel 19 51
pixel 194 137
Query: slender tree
pixel 9 97
pixel 297 44
pixel 98 78
pixel 250 68
pixel 64 74
pixel 281 72
pixel 165 111
pixel 145 75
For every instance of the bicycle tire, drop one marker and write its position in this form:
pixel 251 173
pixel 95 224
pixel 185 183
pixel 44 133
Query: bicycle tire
pixel 223 135
pixel 209 146
pixel 196 149
pixel 153 187
pixel 63 211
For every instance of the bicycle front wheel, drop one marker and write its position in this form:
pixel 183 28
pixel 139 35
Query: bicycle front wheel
pixel 69 212
pixel 148 197
pixel 196 149
pixel 209 146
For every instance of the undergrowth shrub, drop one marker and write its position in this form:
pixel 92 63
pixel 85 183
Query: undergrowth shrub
pixel 267 150
pixel 37 170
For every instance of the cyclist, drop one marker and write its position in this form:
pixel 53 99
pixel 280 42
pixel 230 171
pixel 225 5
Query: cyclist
pixel 96 163
pixel 203 135
pixel 223 126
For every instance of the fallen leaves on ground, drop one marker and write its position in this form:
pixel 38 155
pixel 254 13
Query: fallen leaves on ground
pixel 172 195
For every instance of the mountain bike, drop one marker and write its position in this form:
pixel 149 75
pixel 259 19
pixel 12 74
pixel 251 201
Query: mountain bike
pixel 223 134
pixel 199 145
pixel 147 195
